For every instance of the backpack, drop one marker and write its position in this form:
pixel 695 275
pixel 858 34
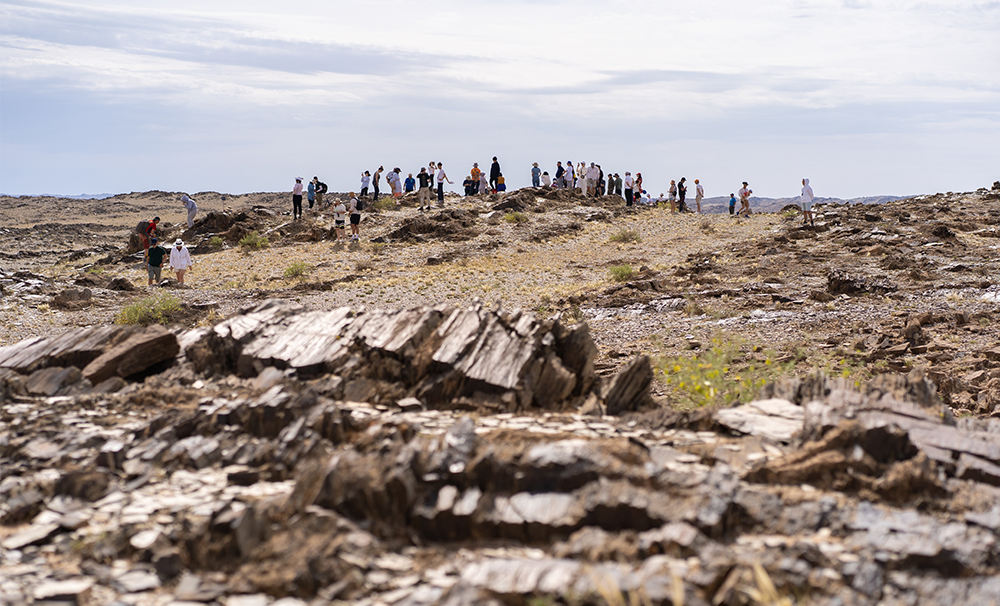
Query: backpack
pixel 360 204
pixel 142 227
pixel 321 187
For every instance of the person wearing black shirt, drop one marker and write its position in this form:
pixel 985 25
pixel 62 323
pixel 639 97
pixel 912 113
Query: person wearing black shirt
pixel 154 260
pixel 424 193
pixel 494 173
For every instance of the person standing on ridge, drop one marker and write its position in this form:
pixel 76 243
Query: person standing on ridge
pixel 494 173
pixel 297 199
pixel 807 203
pixel 320 190
pixel 568 175
pixel 699 193
pixel 732 204
pixel 311 193
pixel 192 209
pixel 673 195
pixel 474 175
pixel 410 183
pixel 484 185
pixel 536 175
pixel 682 190
pixel 424 181
pixel 375 182
pixel 441 178
pixel 560 171
pixel 618 185
pixel 744 194
pixel 366 179
pixel 629 185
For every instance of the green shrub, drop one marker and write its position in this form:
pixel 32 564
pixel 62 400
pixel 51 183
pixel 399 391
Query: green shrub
pixel 622 273
pixel 515 217
pixel 626 235
pixel 717 375
pixel 386 203
pixel 155 309
pixel 254 241
pixel 296 270
pixel 216 242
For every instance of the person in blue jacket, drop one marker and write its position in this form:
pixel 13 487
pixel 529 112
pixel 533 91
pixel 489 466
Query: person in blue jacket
pixel 410 183
pixel 732 204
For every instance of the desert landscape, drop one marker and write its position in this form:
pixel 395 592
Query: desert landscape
pixel 525 398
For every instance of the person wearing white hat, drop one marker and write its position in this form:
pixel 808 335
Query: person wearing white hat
pixel 180 259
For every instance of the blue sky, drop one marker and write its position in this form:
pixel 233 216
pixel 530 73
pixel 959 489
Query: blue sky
pixel 863 97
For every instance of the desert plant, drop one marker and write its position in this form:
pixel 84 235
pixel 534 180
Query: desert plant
pixel 296 270
pixel 385 204
pixel 515 217
pixel 155 309
pixel 622 273
pixel 216 242
pixel 717 375
pixel 363 265
pixel 626 235
pixel 254 241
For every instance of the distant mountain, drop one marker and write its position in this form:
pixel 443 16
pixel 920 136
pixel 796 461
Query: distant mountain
pixel 771 205
pixel 80 197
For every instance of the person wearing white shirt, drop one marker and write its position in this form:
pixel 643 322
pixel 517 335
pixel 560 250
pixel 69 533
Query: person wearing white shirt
pixel 807 202
pixel 568 175
pixel 546 179
pixel 699 193
pixel 441 178
pixel 366 180
pixel 180 260
pixel 629 184
pixel 593 175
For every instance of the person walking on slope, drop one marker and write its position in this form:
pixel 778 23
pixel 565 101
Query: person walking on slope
pixel 424 191
pixel 536 175
pixel 154 261
pixel 744 194
pixel 297 199
pixel 494 173
pixel 192 209
pixel 807 203
pixel 699 193
pixel 441 178
pixel 180 260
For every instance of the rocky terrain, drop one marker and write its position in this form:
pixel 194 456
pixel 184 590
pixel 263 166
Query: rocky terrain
pixel 478 405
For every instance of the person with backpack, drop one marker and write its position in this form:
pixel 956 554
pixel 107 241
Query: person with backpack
pixel 192 209
pixel 320 190
pixel 356 207
pixel 147 231
pixel 154 260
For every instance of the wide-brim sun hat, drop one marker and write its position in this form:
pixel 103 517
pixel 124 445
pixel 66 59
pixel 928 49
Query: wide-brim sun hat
pixel 178 242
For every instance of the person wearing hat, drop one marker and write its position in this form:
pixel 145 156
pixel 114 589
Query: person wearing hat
pixel 180 259
pixel 474 175
pixel 536 175
pixel 744 194
pixel 191 207
pixel 154 260
pixel 297 199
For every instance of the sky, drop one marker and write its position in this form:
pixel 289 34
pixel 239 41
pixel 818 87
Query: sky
pixel 864 97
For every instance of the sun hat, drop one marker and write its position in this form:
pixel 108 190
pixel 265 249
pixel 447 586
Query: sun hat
pixel 178 242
